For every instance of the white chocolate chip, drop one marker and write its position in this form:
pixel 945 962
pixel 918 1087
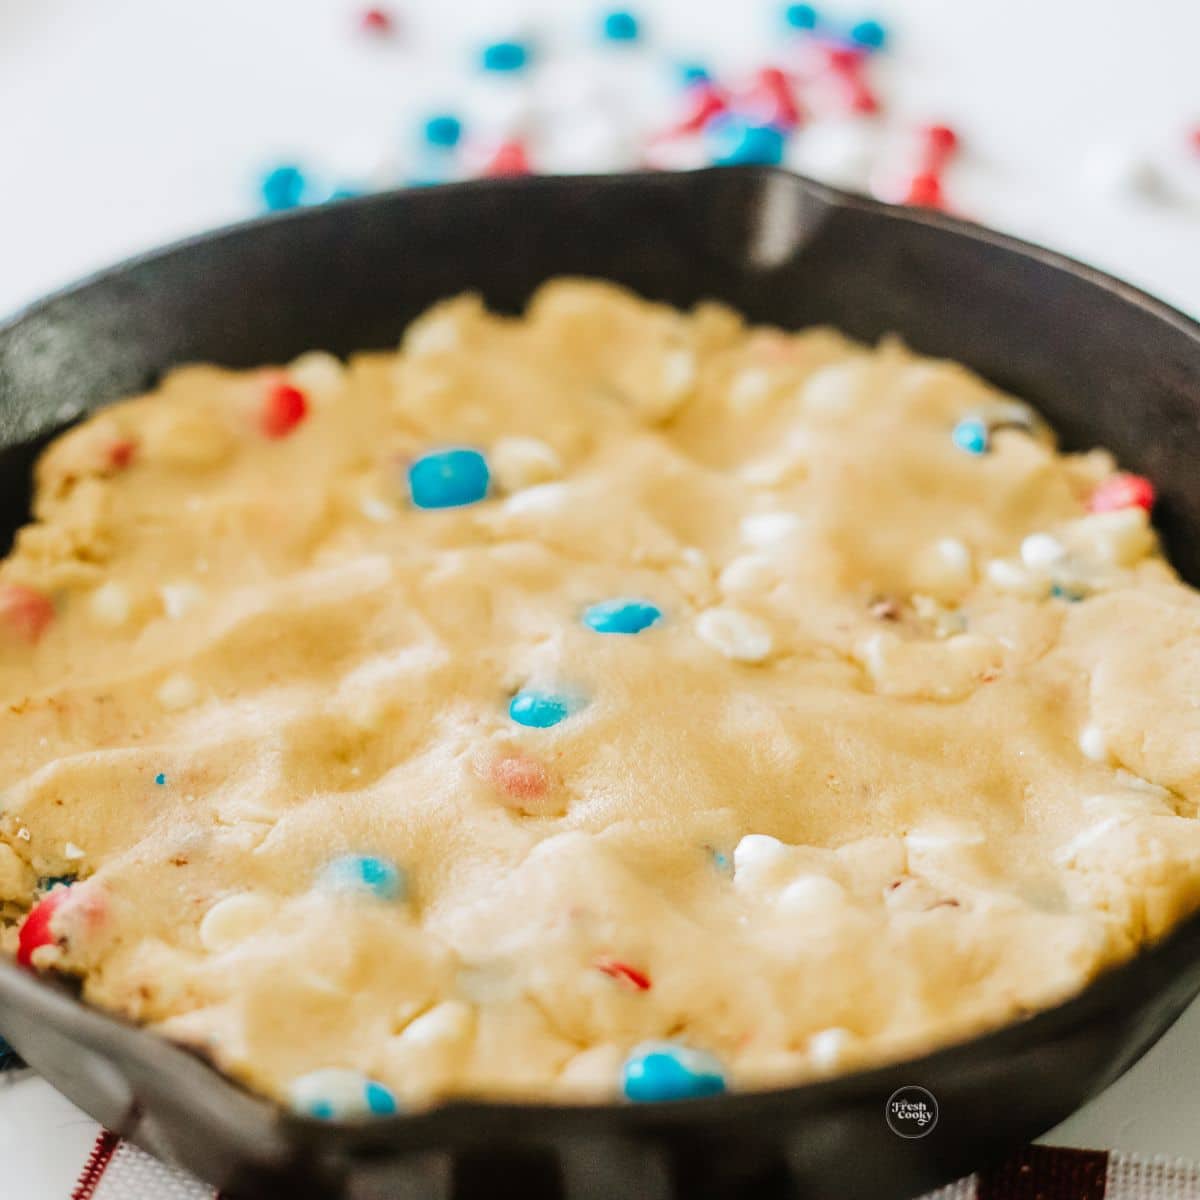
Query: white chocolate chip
pixel 811 893
pixel 1041 551
pixel 757 858
pixel 827 1049
pixel 545 498
pixel 375 509
pixel 73 852
pixel 769 528
pixel 178 692
pixel 748 573
pixel 1013 578
pixel 179 599
pixel 110 604
pixel 522 462
pixel 736 634
pixel 317 373
pixel 748 389
pixel 1092 743
pixel 233 919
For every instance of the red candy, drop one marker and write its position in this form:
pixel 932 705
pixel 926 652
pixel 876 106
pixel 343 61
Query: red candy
pixel 705 101
pixel 120 454
pixel 925 191
pixel 25 611
pixel 377 21
pixel 1123 491
pixel 511 158
pixel 773 89
pixel 520 777
pixel 939 144
pixel 284 407
pixel 624 973
pixel 35 932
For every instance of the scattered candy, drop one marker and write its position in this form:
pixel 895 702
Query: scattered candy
pixel 939 144
pixel 690 73
pixel 971 434
pixel 1092 743
pixel 510 158
pixel 448 479
pixel 366 874
pixel 505 56
pixel 443 131
pixel 925 191
pixel 801 16
pixel 667 1071
pixel 622 616
pixel 284 187
pixel 733 141
pixel 160 779
pixel 737 635
pixel 35 930
pixel 25 611
pixel 539 710
pixel 1123 491
pixel 336 1095
pixel 623 972
pixel 869 33
pixel 284 406
pixel 377 21
pixel 620 26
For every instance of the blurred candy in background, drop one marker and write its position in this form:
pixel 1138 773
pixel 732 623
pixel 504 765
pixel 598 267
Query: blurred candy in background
pixel 138 122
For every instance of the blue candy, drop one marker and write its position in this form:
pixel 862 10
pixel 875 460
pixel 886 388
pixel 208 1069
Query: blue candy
pixel 367 874
pixel 1065 591
pixel 690 73
pixel 505 56
pixel 622 616
pixel 540 710
pixel 620 26
pixel 160 779
pixel 443 131
pixel 668 1071
pixel 870 34
pixel 284 187
pixel 334 1094
pixel 801 16
pixel 971 434
pixel 734 141
pixel 448 479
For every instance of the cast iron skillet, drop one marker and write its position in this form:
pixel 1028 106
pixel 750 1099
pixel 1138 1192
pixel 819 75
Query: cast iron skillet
pixel 1107 364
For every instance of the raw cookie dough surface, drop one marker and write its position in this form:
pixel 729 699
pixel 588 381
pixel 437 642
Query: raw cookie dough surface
pixel 884 771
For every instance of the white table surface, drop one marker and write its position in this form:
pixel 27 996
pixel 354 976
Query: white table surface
pixel 128 123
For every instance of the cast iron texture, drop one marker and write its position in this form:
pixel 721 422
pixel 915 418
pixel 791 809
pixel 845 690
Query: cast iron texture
pixel 1108 365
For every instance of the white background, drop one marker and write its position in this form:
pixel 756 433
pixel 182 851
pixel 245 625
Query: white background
pixel 125 123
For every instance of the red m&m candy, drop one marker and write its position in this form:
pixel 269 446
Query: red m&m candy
pixel 36 932
pixel 925 191
pixel 284 407
pixel 1123 491
pixel 25 611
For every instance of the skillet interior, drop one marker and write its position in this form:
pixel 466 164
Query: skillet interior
pixel 1106 364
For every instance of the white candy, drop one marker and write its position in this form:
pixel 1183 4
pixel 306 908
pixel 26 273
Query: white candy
pixel 1041 551
pixel 1120 538
pixel 110 604
pixel 73 852
pixel 1015 579
pixel 769 528
pixel 736 634
pixel 758 856
pixel 449 1022
pixel 748 573
pixel 1092 743
pixel 179 599
pixel 522 462
pixel 545 498
pixel 317 373
pixel 810 894
pixel 233 919
pixel 178 692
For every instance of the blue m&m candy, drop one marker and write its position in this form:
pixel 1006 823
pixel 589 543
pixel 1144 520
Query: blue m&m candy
pixel 334 1094
pixel 365 874
pixel 801 16
pixel 668 1071
pixel 733 141
pixel 690 73
pixel 448 479
pixel 443 131
pixel 540 710
pixel 620 25
pixel 971 435
pixel 869 34
pixel 505 56
pixel 283 187
pixel 622 616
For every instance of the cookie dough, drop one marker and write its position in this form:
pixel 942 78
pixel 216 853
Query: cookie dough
pixel 788 701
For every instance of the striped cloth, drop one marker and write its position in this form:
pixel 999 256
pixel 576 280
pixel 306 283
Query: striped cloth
pixel 118 1171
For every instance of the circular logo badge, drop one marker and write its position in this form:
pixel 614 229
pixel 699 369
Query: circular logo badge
pixel 911 1112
